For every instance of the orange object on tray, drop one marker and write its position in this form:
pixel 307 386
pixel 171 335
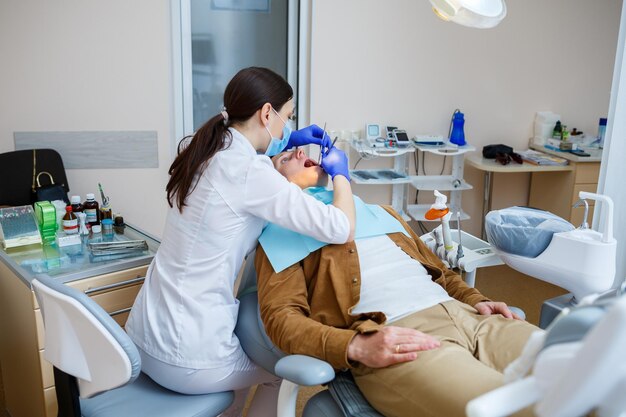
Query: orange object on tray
pixel 434 214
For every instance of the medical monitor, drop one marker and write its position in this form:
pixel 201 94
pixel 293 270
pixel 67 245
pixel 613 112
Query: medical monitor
pixel 402 139
pixel 372 131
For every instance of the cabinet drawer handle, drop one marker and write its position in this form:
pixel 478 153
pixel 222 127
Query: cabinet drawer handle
pixel 121 311
pixel 115 285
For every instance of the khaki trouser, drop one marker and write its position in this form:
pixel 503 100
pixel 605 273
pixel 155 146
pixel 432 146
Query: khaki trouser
pixel 474 351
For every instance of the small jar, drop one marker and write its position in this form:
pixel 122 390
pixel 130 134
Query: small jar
pixel 118 225
pixel 107 227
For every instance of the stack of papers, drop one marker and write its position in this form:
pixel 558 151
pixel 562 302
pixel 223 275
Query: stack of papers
pixel 540 158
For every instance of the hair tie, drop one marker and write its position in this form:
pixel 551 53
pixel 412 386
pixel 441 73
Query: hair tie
pixel 224 115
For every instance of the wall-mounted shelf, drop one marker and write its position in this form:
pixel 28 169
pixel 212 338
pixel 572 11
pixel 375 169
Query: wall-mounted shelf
pixel 447 149
pixel 362 147
pixel 378 176
pixel 439 182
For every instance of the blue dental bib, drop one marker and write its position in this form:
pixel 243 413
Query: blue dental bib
pixel 284 247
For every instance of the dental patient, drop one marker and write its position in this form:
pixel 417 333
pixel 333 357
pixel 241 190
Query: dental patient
pixel 417 339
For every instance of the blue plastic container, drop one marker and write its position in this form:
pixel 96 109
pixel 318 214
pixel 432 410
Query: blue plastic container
pixel 457 136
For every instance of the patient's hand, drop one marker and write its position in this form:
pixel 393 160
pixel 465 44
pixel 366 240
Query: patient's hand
pixel 389 346
pixel 487 308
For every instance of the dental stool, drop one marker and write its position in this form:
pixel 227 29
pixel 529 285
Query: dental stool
pixel 342 399
pixel 94 359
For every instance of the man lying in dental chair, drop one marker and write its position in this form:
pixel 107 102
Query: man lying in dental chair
pixel 417 339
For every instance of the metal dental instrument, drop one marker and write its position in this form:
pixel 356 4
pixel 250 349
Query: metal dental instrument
pixel 319 161
pixel 105 199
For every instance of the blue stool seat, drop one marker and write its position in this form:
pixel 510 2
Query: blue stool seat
pixel 145 397
pixel 97 367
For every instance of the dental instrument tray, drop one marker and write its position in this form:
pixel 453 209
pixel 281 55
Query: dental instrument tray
pixel 115 248
pixel 378 176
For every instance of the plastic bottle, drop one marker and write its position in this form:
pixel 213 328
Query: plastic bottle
pixel 70 222
pixel 91 209
pixel 457 136
pixel 77 207
pixel 557 132
pixel 601 132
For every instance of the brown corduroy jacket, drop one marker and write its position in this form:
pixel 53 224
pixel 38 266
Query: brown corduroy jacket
pixel 306 307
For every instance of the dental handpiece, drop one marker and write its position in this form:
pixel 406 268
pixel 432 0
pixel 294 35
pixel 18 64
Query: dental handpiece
pixel 319 160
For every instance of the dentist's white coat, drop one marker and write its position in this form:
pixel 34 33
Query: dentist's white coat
pixel 186 312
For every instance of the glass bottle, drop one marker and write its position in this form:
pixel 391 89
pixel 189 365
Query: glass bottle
pixel 106 213
pixel 77 207
pixel 70 221
pixel 91 209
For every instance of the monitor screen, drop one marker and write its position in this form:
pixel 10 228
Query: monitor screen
pixel 373 130
pixel 401 137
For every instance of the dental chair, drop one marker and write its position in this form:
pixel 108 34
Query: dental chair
pixel 575 367
pixel 342 399
pixel 97 366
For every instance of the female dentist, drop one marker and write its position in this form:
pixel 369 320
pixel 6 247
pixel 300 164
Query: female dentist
pixel 222 191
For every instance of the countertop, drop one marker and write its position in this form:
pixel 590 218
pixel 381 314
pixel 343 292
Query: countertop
pixel 71 263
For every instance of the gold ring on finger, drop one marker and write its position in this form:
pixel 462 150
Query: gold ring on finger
pixel 397 348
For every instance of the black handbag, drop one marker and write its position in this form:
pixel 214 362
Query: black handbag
pixel 490 151
pixel 47 192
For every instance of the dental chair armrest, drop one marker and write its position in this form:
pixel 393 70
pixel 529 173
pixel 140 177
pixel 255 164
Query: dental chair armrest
pixel 304 370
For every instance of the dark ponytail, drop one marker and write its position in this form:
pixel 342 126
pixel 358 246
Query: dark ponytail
pixel 246 93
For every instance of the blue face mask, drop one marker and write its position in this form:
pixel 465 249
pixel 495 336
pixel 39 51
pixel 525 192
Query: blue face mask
pixel 277 145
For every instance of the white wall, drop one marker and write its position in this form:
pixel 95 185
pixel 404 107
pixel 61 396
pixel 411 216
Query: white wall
pixel 393 62
pixel 92 65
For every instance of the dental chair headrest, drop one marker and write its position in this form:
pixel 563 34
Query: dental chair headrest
pixel 523 231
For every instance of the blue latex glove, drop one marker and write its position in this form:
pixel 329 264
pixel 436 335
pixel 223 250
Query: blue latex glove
pixel 309 135
pixel 335 162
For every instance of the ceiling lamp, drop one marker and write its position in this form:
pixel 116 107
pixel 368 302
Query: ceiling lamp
pixel 481 14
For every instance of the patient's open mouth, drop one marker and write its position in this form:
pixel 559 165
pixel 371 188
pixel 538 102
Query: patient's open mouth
pixel 310 163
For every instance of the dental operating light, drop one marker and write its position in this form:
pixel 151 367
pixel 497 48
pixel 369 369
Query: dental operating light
pixel 482 14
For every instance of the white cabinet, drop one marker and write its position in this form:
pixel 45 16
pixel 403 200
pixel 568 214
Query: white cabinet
pixel 399 177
